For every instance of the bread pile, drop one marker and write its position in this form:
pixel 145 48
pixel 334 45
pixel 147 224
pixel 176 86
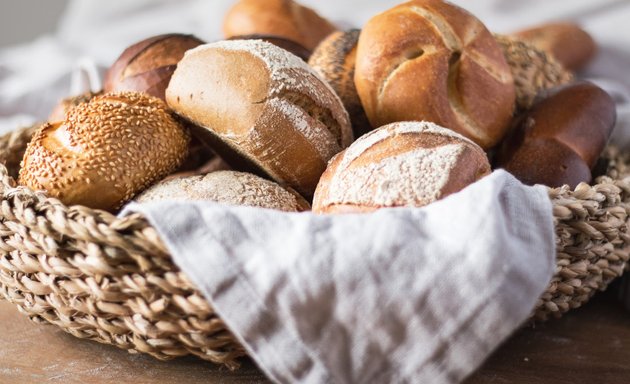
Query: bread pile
pixel 288 110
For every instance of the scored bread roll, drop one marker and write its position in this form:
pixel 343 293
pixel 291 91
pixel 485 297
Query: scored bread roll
pixel 561 138
pixel 408 164
pixel 105 151
pixel 147 66
pixel 284 18
pixel 431 60
pixel 262 109
pixel 227 187
pixel 334 60
pixel 533 70
pixel 572 46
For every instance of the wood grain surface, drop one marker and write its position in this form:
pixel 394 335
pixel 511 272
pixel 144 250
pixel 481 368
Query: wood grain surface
pixel 589 345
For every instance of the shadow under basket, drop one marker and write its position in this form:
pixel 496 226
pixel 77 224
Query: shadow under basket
pixel 112 280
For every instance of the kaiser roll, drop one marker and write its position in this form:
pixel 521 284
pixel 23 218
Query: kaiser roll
pixel 284 18
pixel 572 46
pixel 334 60
pixel 400 164
pixel 262 109
pixel 561 138
pixel 431 60
pixel 147 66
pixel 227 187
pixel 105 151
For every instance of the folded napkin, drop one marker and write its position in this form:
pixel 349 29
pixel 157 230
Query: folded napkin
pixel 396 296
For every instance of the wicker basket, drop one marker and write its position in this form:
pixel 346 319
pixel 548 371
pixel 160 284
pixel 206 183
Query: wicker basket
pixel 111 280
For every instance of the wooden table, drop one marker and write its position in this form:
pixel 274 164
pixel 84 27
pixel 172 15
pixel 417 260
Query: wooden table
pixel 589 345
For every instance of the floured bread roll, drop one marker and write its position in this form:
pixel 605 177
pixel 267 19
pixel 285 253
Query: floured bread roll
pixel 262 109
pixel 227 187
pixel 400 164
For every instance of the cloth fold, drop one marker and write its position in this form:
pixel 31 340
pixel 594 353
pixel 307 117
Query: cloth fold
pixel 399 295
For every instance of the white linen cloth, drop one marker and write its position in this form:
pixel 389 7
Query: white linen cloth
pixel 397 296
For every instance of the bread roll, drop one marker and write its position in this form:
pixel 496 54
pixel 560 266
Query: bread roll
pixel 533 70
pixel 147 66
pixel 409 164
pixel 106 151
pixel 284 18
pixel 227 187
pixel 572 46
pixel 60 110
pixel 286 44
pixel 262 109
pixel 334 60
pixel 561 138
pixel 431 60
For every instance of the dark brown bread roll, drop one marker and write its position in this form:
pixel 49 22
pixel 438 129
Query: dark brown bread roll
pixel 408 164
pixel 431 60
pixel 148 65
pixel 262 109
pixel 284 18
pixel 105 151
pixel 572 46
pixel 334 59
pixel 279 41
pixel 561 138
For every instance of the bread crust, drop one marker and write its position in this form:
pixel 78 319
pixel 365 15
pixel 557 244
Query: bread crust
pixel 400 164
pixel 430 60
pixel 284 18
pixel 263 109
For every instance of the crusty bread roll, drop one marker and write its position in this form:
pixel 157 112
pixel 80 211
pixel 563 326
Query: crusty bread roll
pixel 431 60
pixel 561 138
pixel 400 164
pixel 334 60
pixel 295 48
pixel 106 151
pixel 60 110
pixel 285 18
pixel 262 109
pixel 147 66
pixel 227 187
pixel 572 46
pixel 533 70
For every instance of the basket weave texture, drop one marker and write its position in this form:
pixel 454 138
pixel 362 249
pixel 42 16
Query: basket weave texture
pixel 112 280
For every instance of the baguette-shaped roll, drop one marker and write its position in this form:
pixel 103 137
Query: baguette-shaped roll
pixel 263 109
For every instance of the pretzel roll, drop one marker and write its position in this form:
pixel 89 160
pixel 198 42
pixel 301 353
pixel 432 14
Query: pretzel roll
pixel 533 70
pixel 572 46
pixel 561 138
pixel 263 109
pixel 105 151
pixel 334 60
pixel 401 164
pixel 284 18
pixel 286 44
pixel 227 187
pixel 148 65
pixel 431 60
